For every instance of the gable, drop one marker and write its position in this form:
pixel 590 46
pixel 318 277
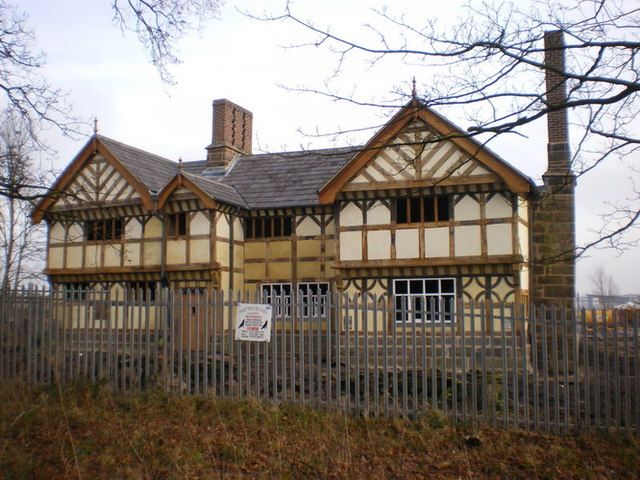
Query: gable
pixel 410 160
pixel 97 182
pixel 401 141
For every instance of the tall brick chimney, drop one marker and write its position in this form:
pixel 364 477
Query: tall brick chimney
pixel 553 212
pixel 231 133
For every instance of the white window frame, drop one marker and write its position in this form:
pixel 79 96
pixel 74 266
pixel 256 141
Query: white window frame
pixel 426 299
pixel 270 298
pixel 310 311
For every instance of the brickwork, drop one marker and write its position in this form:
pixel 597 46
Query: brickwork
pixel 231 132
pixel 553 212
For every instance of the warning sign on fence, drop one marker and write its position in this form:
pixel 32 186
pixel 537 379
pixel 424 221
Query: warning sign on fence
pixel 253 322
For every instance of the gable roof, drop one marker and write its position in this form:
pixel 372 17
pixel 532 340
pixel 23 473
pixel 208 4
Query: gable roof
pixel 272 180
pixel 120 158
pixel 205 188
pixel 153 171
pixel 515 180
pixel 290 179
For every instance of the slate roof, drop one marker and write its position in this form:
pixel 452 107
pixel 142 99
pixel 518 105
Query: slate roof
pixel 279 180
pixel 219 191
pixel 273 180
pixel 153 171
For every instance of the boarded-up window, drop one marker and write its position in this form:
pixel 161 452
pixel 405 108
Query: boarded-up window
pixel 423 209
pixel 269 227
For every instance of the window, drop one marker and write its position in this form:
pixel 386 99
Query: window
pixel 177 224
pixel 75 291
pixel 278 295
pixel 266 227
pixel 424 299
pixel 314 299
pixel 139 291
pixel 111 229
pixel 422 209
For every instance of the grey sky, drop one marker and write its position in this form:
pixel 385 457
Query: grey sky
pixel 109 76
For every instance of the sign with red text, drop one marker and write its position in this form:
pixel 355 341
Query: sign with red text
pixel 253 322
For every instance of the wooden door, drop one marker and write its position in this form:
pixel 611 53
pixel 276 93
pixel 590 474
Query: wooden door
pixel 192 320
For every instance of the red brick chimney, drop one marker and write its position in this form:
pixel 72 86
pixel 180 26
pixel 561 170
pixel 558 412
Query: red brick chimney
pixel 558 152
pixel 231 133
pixel 553 212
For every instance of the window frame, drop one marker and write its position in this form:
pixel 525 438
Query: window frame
pixel 135 287
pixel 424 317
pixel 75 291
pixel 310 311
pixel 114 227
pixel 269 297
pixel 421 202
pixel 267 226
pixel 173 223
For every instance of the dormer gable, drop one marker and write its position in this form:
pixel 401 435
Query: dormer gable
pixel 419 148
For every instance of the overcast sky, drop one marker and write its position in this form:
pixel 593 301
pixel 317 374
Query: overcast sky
pixel 108 75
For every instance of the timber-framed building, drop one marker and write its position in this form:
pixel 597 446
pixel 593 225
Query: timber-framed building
pixel 421 212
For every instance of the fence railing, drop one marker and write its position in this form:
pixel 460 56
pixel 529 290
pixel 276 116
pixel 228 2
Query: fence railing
pixel 536 368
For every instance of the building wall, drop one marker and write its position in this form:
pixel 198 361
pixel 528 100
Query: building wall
pixel 305 256
pixel 482 226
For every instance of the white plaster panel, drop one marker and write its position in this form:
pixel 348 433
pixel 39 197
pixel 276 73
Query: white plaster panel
pixel 75 233
pixel 466 209
pixel 222 227
pixel 498 207
pixel 350 215
pixel 153 228
pixel 55 257
pixel 467 240
pixel 307 227
pixel 56 233
pixel 238 231
pixel 74 257
pixel 379 245
pixel 350 246
pixel 378 214
pixel 330 228
pixel 92 256
pixel 436 242
pixel 133 229
pixel 222 253
pixel 499 240
pixel 523 209
pixel 132 254
pixel 199 224
pixel 523 239
pixel 407 243
pixel 152 253
pixel 199 251
pixel 111 255
pixel 176 251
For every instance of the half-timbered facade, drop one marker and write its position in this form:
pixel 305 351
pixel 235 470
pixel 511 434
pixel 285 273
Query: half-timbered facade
pixel 420 212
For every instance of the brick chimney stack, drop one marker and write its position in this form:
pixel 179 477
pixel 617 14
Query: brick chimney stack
pixel 231 133
pixel 558 152
pixel 553 212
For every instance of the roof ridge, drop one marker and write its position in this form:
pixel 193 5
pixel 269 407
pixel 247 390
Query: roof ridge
pixel 159 157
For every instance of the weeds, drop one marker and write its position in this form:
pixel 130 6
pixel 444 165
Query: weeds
pixel 151 436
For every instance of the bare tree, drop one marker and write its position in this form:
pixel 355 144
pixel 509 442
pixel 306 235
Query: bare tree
pixel 21 241
pixel 489 67
pixel 158 24
pixel 603 285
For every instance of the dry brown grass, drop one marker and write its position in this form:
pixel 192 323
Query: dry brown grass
pixel 157 437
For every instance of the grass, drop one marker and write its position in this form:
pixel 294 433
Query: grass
pixel 155 436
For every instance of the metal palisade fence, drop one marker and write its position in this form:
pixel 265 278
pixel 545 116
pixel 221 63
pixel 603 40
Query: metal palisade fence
pixel 533 368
